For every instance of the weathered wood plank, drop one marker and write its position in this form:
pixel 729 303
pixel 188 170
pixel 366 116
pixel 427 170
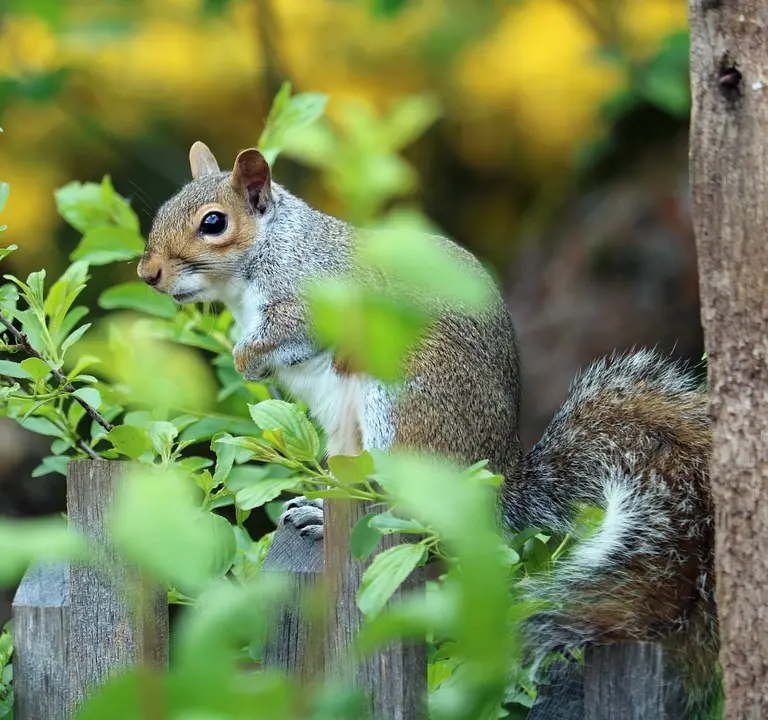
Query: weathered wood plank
pixel 107 634
pixel 296 641
pixel 395 678
pixel 40 636
pixel 631 681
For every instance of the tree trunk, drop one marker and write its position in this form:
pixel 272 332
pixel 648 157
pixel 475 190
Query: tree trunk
pixel 729 177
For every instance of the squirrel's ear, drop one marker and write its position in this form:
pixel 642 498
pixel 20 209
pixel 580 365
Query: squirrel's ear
pixel 201 161
pixel 251 176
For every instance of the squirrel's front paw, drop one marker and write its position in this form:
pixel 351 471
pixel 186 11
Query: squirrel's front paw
pixel 249 360
pixel 307 515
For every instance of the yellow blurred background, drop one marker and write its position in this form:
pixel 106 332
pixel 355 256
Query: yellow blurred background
pixel 521 84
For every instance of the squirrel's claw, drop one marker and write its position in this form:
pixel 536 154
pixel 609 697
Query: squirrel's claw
pixel 305 515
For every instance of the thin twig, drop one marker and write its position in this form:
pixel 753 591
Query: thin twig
pixel 23 340
pixel 88 450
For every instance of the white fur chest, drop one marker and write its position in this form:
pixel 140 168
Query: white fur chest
pixel 246 304
pixel 335 401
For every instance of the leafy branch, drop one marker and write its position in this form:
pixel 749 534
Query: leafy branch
pixel 23 341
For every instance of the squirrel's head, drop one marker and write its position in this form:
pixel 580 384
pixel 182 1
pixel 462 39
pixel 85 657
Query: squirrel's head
pixel 202 233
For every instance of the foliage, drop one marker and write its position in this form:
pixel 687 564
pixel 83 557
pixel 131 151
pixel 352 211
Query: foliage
pixel 6 674
pixel 138 386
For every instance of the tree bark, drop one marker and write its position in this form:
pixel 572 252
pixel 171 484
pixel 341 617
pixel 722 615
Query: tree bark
pixel 729 177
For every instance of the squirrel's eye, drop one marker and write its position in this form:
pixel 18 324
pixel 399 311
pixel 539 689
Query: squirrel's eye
pixel 214 223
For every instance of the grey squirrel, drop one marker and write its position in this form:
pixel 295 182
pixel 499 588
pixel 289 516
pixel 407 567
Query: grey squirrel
pixel 633 436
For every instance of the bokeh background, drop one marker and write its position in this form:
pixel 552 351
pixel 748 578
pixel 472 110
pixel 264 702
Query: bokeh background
pixel 560 156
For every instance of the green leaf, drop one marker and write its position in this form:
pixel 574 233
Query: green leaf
pixel 194 463
pixel 588 521
pixel 225 457
pixel 364 538
pixel 351 470
pixel 386 573
pixel 129 441
pixel 9 296
pixel 64 291
pixel 42 426
pixel 209 427
pixel 224 546
pixel 138 296
pixel 107 244
pixel 14 370
pixel 387 523
pixel 536 556
pixel 23 542
pixel 37 368
pixel 162 434
pixel 35 291
pixel 52 464
pixel 300 436
pixel 73 337
pixel 86 206
pixel 89 395
pixel 255 485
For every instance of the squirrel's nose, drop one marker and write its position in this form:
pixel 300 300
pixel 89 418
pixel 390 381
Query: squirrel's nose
pixel 151 275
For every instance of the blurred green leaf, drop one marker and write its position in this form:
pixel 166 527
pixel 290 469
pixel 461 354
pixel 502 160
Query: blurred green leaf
pixel 108 244
pixel 378 330
pixel 157 524
pixel 409 118
pixel 388 7
pixel 431 268
pixel 23 542
pixel 288 115
pixel 385 574
pixel 5 191
pixel 138 296
pixel 147 369
pixel 463 513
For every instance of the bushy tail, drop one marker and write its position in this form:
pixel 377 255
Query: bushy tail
pixel 633 439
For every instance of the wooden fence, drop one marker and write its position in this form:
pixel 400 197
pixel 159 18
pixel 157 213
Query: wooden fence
pixel 72 630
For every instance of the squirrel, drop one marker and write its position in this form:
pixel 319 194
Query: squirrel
pixel 632 438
